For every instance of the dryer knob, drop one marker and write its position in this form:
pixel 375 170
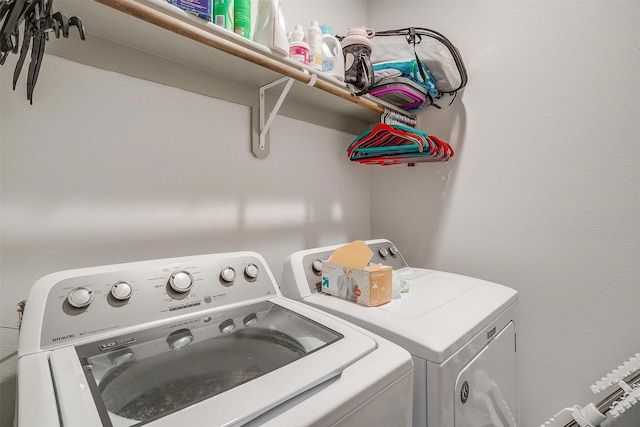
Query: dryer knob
pixel 228 274
pixel 383 253
pixel 181 281
pixel 393 250
pixel 316 266
pixel 80 297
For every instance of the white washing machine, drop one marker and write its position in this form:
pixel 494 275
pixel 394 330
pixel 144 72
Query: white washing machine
pixel 194 341
pixel 460 331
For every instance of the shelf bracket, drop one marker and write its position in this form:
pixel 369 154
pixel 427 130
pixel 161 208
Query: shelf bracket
pixel 261 149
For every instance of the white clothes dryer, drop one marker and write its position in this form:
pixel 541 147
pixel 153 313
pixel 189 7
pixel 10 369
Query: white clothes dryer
pixel 460 331
pixel 194 341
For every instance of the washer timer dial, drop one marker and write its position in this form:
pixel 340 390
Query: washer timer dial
pixel 122 291
pixel 181 281
pixel 80 297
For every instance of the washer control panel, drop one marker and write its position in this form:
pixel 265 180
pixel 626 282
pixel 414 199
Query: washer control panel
pixel 91 301
pixel 384 252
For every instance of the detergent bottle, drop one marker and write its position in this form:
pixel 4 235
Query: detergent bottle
pixel 332 57
pixel 242 18
pixel 314 39
pixel 223 14
pixel 270 28
pixel 298 49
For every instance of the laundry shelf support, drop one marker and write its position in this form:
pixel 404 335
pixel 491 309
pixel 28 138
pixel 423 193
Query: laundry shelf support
pixel 261 151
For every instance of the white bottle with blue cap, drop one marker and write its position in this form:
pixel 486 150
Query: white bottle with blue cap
pixel 332 56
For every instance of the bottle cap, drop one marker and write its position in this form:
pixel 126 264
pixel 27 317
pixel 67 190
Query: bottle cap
pixel 297 34
pixel 326 29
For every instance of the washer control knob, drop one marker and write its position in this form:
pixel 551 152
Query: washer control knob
pixel 227 326
pixel 383 253
pixel 251 271
pixel 181 281
pixel 80 297
pixel 179 338
pixel 316 266
pixel 393 250
pixel 228 274
pixel 122 291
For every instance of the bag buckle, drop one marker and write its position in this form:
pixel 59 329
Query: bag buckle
pixel 412 36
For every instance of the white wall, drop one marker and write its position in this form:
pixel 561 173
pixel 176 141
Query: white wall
pixel 543 192
pixel 541 196
pixel 106 168
pixel 339 14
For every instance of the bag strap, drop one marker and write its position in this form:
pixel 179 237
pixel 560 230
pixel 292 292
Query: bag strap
pixel 367 69
pixel 411 39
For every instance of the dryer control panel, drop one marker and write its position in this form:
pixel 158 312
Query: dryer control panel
pixel 384 252
pixel 86 302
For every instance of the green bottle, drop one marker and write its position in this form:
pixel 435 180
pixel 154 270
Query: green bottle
pixel 223 14
pixel 242 18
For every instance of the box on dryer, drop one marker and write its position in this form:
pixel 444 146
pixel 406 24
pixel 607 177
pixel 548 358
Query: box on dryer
pixel 346 274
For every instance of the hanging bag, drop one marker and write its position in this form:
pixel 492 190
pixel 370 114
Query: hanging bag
pixel 423 56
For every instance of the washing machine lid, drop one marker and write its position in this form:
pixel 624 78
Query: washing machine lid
pixel 231 366
pixel 439 313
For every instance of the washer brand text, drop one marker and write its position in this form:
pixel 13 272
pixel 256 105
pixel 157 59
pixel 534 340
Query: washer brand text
pixel 491 333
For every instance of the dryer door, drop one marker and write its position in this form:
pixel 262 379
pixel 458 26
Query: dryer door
pixel 485 393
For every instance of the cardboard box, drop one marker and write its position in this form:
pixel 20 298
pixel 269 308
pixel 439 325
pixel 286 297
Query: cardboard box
pixel 202 8
pixel 346 274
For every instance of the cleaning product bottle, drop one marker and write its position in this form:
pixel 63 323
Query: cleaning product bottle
pixel 270 29
pixel 223 14
pixel 314 39
pixel 298 49
pixel 332 57
pixel 242 18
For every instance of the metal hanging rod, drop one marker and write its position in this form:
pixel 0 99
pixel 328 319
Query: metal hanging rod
pixel 391 117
